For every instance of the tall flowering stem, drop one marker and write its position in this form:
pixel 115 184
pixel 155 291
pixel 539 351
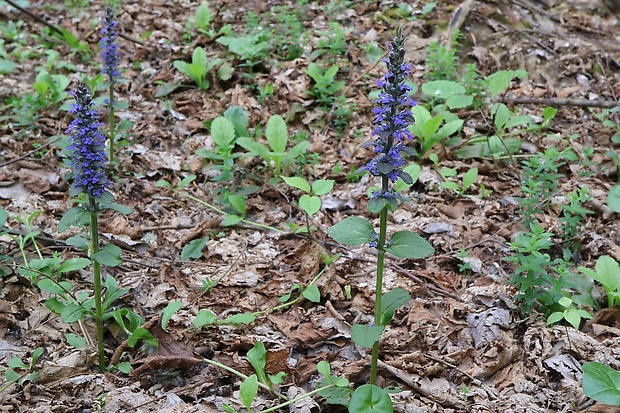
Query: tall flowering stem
pixel 392 117
pixel 110 57
pixel 88 161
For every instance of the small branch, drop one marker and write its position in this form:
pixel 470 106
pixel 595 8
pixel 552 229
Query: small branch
pixel 34 16
pixel 562 102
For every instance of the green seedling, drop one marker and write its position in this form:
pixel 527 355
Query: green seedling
pixel 325 86
pixel 432 130
pixel 469 178
pixel 52 87
pixel 251 49
pixel 570 314
pixel 310 201
pixel 277 157
pixel 19 372
pixel 199 68
pixel 607 273
pixel 201 20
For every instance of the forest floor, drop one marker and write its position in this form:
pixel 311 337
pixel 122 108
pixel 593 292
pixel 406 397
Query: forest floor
pixel 461 344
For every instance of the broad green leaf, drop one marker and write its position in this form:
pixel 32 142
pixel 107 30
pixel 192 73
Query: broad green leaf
pixel 502 115
pixel 182 67
pixel 601 383
pixel 109 255
pixel 239 118
pixel 366 336
pixel 297 182
pixel 286 297
pixel 442 89
pixel 257 356
pixel 75 341
pixel 243 318
pixel 352 231
pixel 459 101
pixel 75 216
pixel 449 129
pixel 469 178
pixel 498 82
pixel 204 317
pixel 312 293
pixel 12 375
pixel 555 318
pixel 322 186
pixel 331 72
pixel 72 313
pixel 193 249
pixel 141 334
pixel 324 369
pixel 421 115
pixel 414 171
pixel 54 287
pixel 73 264
pixel 199 57
pixel 231 220
pixel 6 66
pixel 16 363
pixel 247 391
pixel 310 204
pixel 169 311
pixel 391 302
pixel 573 318
pixel 613 198
pixel 276 134
pixel 222 132
pixel 124 367
pixel 406 244
pixel 255 148
pixel 294 153
pixel 370 398
pixel 237 201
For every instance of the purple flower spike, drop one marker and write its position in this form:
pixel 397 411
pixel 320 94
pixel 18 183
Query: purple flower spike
pixel 87 146
pixel 393 115
pixel 109 48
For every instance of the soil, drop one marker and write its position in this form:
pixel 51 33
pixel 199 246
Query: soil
pixel 461 344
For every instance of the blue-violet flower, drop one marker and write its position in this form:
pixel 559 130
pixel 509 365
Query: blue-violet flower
pixel 392 117
pixel 109 48
pixel 87 146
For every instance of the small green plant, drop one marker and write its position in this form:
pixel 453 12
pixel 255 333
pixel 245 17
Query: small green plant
pixel 429 130
pixel 309 202
pixel 332 42
pixel 252 49
pixel 604 117
pixel 601 383
pixel 202 20
pixel 607 273
pixel 570 314
pixel 20 372
pixel 325 86
pixel 573 214
pixel 441 61
pixel 52 88
pixel 199 68
pixel 277 157
pixel 469 178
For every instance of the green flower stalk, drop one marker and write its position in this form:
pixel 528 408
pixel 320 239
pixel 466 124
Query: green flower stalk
pixel 88 161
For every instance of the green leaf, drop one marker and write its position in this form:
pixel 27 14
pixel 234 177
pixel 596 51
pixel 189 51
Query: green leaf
pixel 237 201
pixel 222 132
pixel 406 244
pixel 124 367
pixel 193 249
pixel 169 311
pixel 6 66
pixel 352 231
pixel 248 390
pixel 391 302
pixel 75 216
pixel 286 297
pixel 51 286
pixel 613 198
pixel 366 336
pixel 204 317
pixel 370 398
pixel 182 67
pixel 231 220
pixel 110 255
pixel 498 82
pixel 16 363
pixel 322 186
pixel 414 171
pixel 442 89
pixel 459 101
pixel 277 134
pixel 255 148
pixel 239 118
pixel 75 341
pixel 470 178
pixel 310 204
pixel 141 334
pixel 186 181
pixel 73 264
pixel 601 383
pixel 555 318
pixel 324 369
pixel 312 293
pixel 243 318
pixel 199 57
pixel 297 182
pixel 72 313
pixel 573 318
pixel 257 357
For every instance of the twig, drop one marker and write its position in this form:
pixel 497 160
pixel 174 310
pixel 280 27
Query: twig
pixel 562 102
pixel 34 16
pixel 27 154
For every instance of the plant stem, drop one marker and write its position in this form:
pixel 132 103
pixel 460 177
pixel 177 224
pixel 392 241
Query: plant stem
pixel 94 230
pixel 112 127
pixel 379 289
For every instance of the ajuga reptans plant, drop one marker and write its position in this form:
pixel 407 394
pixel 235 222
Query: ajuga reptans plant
pixel 110 57
pixel 392 118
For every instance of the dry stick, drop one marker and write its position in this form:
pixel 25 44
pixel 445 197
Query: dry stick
pixel 27 154
pixel 562 102
pixel 34 16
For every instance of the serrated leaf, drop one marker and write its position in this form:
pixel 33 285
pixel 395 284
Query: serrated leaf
pixel 169 311
pixel 248 390
pixel 310 204
pixel 322 186
pixel 193 249
pixel 370 398
pixel 352 231
pixel 110 255
pixel 601 383
pixel 312 293
pixel 366 336
pixel 391 302
pixel 297 182
pixel 406 244
pixel 222 132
